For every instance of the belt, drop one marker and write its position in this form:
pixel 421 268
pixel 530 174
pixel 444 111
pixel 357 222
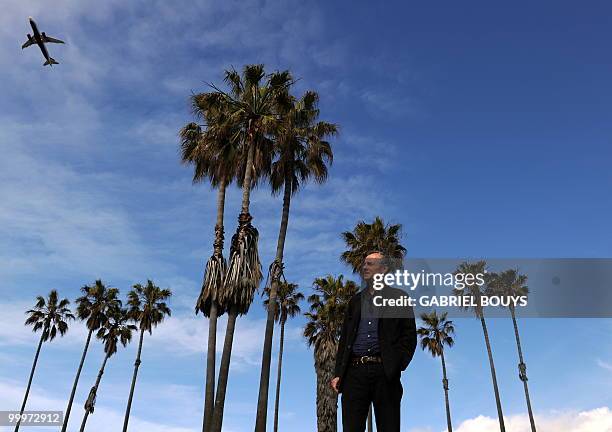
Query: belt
pixel 365 360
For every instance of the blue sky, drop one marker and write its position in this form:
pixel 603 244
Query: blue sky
pixel 483 129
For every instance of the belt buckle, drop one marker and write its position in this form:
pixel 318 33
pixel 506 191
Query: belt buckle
pixel 363 359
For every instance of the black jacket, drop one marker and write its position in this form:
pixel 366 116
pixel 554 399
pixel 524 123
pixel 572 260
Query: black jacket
pixel 396 336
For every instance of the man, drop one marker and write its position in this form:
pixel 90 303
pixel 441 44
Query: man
pixel 375 346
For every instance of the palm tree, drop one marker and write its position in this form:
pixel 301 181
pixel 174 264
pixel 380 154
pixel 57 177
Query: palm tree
pixel 147 308
pixel 364 239
pixel 327 308
pixel 50 316
pixel 251 111
pixel 475 293
pixel 114 331
pixel 217 153
pixel 286 306
pixel 434 335
pixel 510 283
pixel 92 307
pixel 303 153
pixel 213 152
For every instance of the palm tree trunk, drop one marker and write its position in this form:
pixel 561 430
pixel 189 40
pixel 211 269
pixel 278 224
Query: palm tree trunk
pixel 278 375
pixel 327 399
pixel 449 425
pixel 211 353
pixel 209 398
pixel 500 415
pixel 370 422
pixel 220 212
pixel 136 366
pixel 76 381
pixel 91 399
pixel 217 420
pixel 275 271
pixel 248 174
pixel 25 398
pixel 523 371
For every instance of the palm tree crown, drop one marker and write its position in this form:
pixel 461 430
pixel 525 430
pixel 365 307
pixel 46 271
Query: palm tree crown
pixel 219 150
pixel 303 151
pixel 213 150
pixel 287 301
pixel 117 330
pixel 147 305
pixel 50 315
pixel 473 290
pixel 366 238
pixel 436 333
pixel 508 283
pixel 94 304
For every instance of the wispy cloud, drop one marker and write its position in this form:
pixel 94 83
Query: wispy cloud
pixel 604 364
pixel 386 103
pixel 104 418
pixel 54 218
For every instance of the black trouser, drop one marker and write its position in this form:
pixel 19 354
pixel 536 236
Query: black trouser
pixel 363 385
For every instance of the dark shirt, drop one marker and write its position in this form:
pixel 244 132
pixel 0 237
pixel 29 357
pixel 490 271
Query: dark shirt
pixel 366 340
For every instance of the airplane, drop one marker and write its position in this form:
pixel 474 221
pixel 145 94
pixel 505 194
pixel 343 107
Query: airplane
pixel 41 39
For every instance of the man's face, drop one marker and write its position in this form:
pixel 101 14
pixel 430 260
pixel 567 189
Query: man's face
pixel 372 265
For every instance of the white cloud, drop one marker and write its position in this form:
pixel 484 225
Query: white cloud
pixel 187 335
pixel 103 419
pixel 595 420
pixel 605 365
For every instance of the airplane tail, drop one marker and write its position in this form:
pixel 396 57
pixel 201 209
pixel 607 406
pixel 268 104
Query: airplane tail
pixel 50 62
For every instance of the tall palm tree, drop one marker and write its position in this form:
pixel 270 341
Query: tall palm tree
pixel 286 306
pixel 368 237
pixel 251 106
pixel 475 293
pixel 147 308
pixel 436 333
pixel 510 283
pixel 303 154
pixel 50 315
pixel 217 153
pixel 214 153
pixel 115 330
pixel 327 308
pixel 214 272
pixel 92 307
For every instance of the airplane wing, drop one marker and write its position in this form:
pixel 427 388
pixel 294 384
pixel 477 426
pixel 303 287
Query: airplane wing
pixel 30 42
pixel 47 39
